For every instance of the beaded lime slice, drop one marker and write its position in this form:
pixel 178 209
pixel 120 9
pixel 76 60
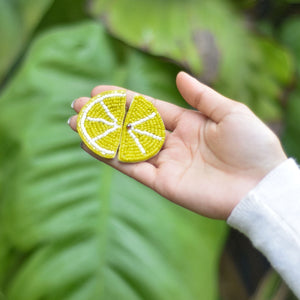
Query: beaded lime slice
pixel 100 121
pixel 102 127
pixel 143 132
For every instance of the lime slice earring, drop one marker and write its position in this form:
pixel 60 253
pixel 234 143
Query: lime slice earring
pixel 102 127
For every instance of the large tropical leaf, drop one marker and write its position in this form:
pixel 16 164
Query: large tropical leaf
pixel 18 18
pixel 208 37
pixel 71 227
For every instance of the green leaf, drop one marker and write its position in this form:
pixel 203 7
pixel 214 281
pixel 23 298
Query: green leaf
pixel 272 287
pixel 291 135
pixel 210 38
pixel 18 18
pixel 64 12
pixel 290 36
pixel 71 227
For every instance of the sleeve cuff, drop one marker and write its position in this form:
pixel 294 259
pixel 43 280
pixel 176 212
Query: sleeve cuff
pixel 270 216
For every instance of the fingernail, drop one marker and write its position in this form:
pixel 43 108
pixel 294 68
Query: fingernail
pixel 69 120
pixel 72 104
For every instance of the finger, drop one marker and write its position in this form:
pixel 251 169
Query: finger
pixel 77 104
pixel 169 112
pixel 143 172
pixel 203 98
pixel 73 122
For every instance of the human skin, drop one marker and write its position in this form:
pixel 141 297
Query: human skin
pixel 212 156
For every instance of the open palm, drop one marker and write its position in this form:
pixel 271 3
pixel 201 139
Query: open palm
pixel 212 156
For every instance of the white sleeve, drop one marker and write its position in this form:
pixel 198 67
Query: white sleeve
pixel 270 216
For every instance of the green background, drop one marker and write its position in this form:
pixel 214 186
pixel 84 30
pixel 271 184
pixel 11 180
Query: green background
pixel 72 228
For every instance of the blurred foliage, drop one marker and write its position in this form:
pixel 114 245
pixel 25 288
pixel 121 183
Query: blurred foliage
pixel 208 38
pixel 272 287
pixel 18 18
pixel 290 36
pixel 72 228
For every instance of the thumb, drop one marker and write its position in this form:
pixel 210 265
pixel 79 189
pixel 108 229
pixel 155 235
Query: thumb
pixel 203 98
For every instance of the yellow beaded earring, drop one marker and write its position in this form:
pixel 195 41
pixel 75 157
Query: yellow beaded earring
pixel 102 127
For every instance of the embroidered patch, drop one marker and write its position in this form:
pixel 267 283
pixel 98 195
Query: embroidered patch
pixel 101 126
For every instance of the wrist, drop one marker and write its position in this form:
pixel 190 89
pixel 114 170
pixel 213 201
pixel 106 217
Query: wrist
pixel 254 183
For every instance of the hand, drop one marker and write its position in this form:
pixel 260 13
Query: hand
pixel 212 156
